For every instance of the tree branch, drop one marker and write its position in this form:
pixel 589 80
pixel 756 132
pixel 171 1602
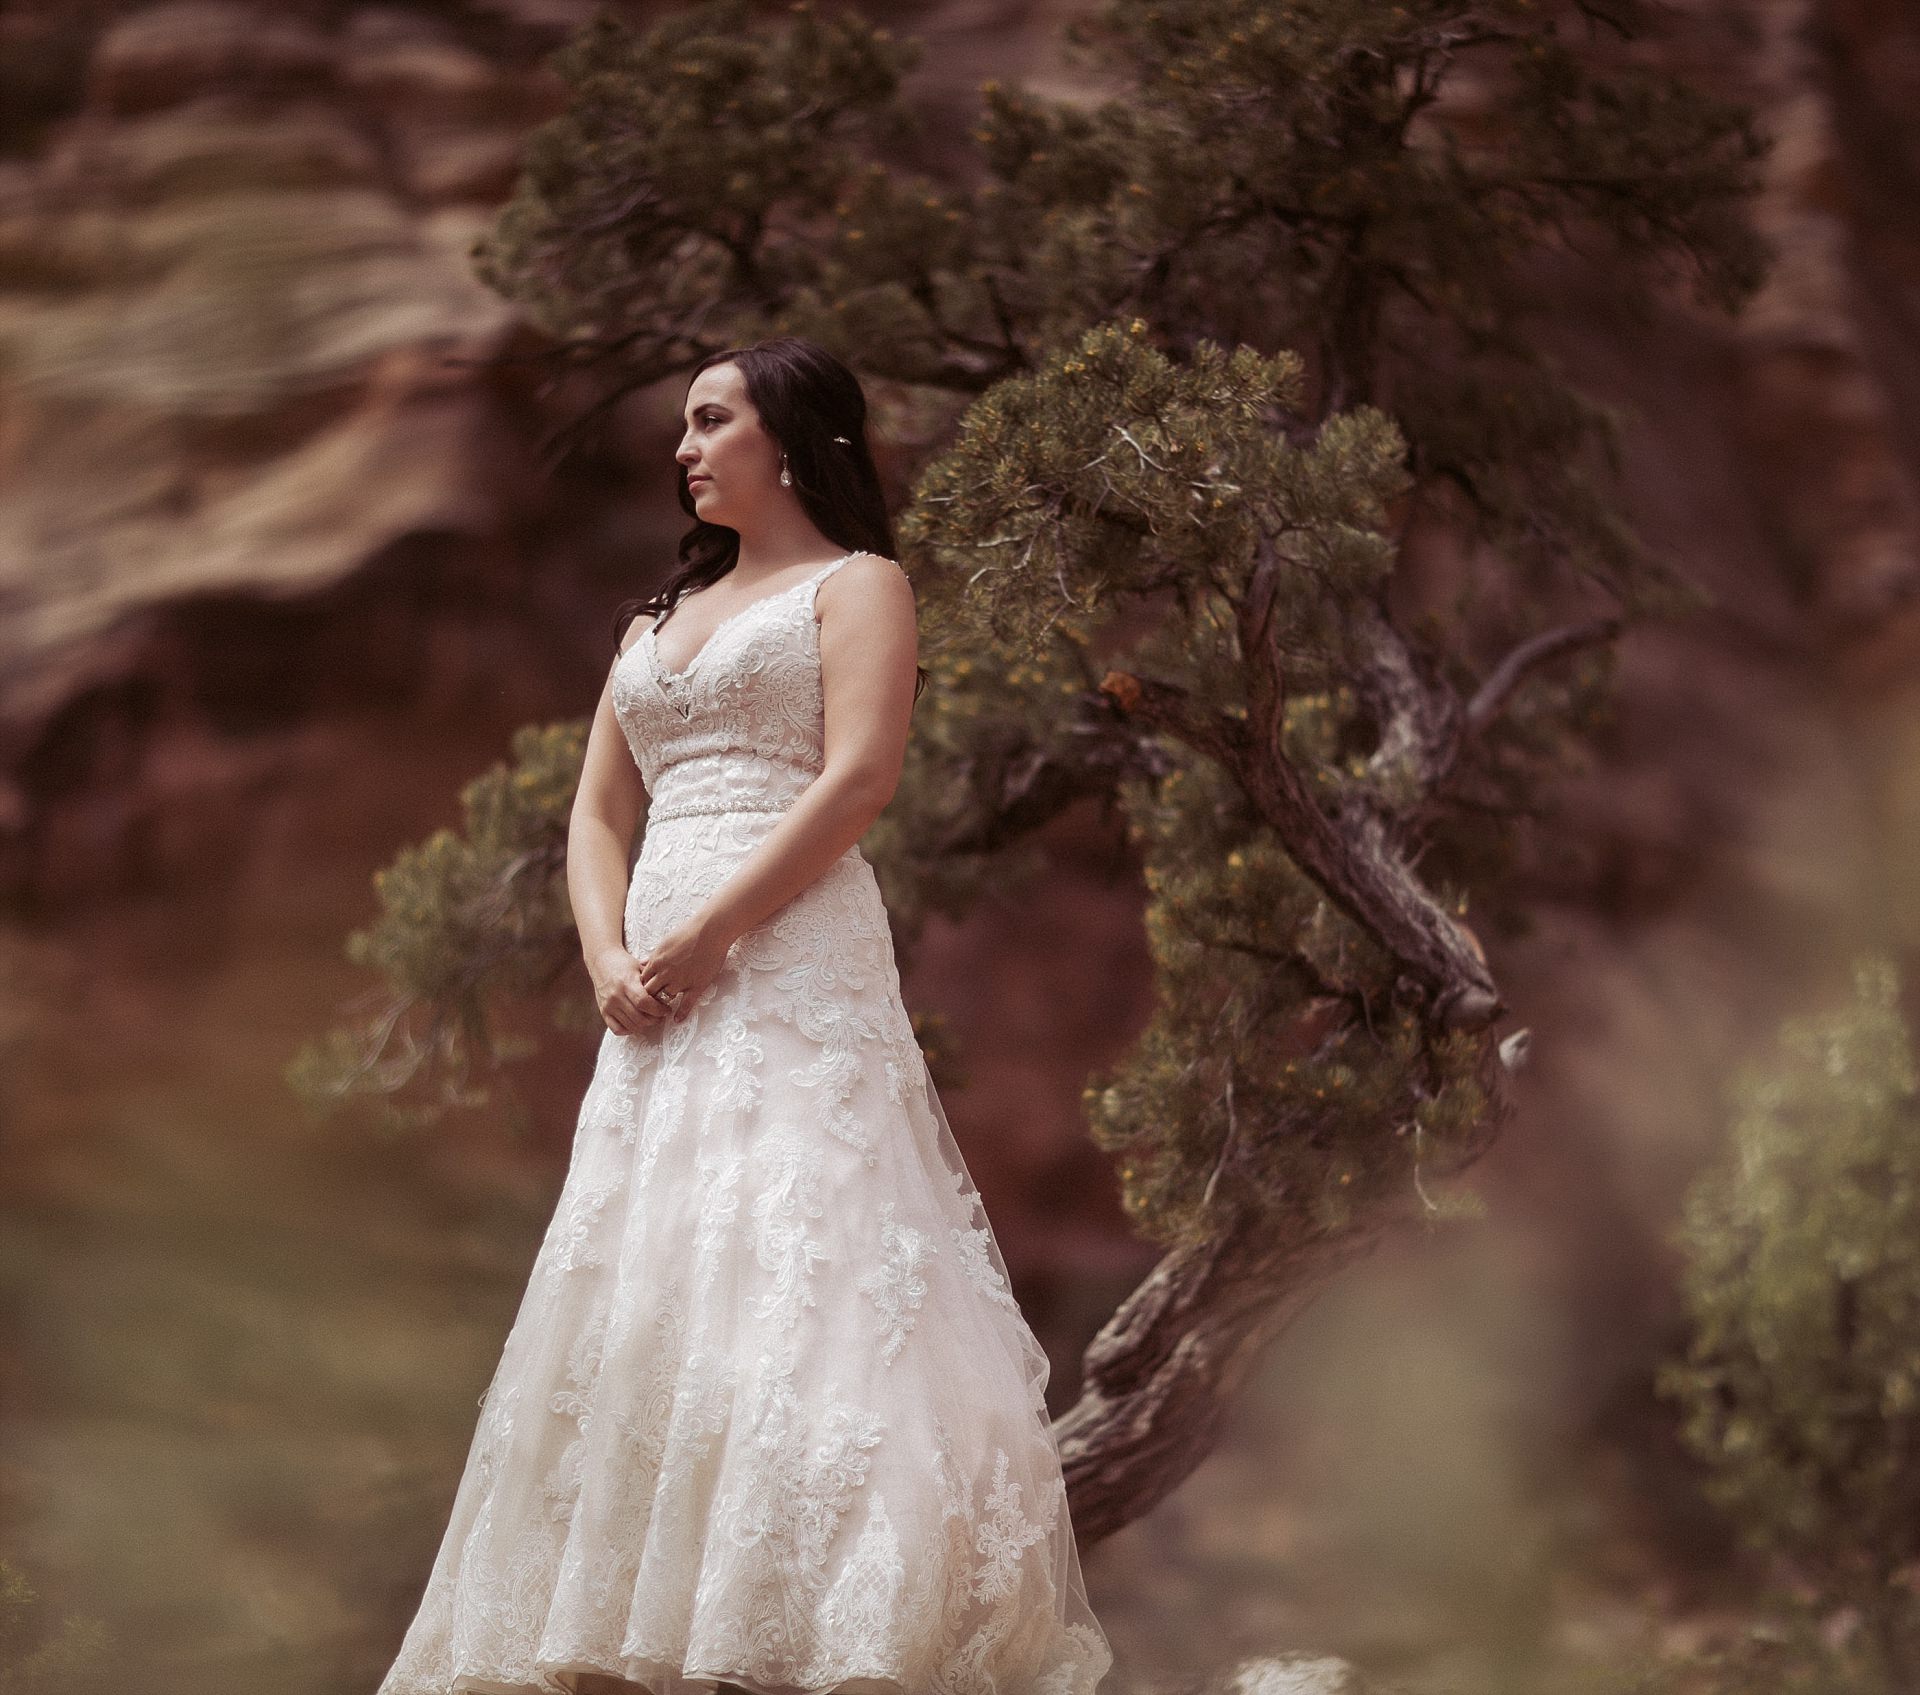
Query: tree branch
pixel 1530 654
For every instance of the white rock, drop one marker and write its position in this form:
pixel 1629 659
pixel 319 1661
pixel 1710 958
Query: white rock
pixel 1292 1674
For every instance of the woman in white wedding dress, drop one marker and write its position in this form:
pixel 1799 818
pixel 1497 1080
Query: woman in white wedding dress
pixel 769 1418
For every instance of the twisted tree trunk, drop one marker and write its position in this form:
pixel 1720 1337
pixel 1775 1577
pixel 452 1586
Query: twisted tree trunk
pixel 1163 1371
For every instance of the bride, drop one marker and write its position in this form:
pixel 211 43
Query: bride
pixel 769 1418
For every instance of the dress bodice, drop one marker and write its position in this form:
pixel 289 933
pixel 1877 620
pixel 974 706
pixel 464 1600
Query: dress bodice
pixel 742 727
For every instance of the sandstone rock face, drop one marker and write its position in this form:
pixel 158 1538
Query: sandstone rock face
pixel 241 360
pixel 242 355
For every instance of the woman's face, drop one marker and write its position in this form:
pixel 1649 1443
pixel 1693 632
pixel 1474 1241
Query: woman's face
pixel 733 464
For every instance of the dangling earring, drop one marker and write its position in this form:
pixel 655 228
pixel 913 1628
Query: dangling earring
pixel 785 480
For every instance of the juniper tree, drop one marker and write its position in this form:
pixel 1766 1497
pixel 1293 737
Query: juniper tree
pixel 1801 1381
pixel 1209 372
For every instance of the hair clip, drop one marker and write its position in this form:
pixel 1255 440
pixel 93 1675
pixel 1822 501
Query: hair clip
pixel 843 438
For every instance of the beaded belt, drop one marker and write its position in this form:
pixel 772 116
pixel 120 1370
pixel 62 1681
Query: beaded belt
pixel 695 808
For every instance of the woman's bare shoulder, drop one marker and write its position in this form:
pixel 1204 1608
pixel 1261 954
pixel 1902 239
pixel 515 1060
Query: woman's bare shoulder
pixel 869 573
pixel 867 592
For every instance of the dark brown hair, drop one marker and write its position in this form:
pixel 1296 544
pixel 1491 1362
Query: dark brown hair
pixel 814 407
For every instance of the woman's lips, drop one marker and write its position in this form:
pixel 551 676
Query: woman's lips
pixel 695 482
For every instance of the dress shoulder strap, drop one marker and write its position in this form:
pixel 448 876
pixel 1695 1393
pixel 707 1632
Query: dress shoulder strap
pixel 810 599
pixel 826 571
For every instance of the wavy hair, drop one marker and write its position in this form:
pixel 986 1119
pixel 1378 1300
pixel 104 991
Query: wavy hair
pixel 814 407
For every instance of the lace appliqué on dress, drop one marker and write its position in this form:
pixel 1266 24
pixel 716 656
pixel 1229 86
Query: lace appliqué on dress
pixel 769 1411
pixel 895 1285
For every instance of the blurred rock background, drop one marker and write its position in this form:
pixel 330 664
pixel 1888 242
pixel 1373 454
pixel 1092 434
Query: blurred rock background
pixel 280 568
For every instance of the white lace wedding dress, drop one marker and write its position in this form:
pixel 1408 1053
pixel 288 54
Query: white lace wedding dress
pixel 769 1412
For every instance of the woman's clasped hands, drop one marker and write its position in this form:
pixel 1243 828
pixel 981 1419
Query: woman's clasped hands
pixel 637 994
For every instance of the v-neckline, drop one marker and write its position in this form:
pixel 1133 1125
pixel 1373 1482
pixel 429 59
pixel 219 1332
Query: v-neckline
pixel 699 653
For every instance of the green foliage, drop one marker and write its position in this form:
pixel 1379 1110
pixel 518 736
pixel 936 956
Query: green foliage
pixel 686 170
pixel 41 1655
pixel 1801 1385
pixel 1369 183
pixel 468 917
pixel 1303 175
pixel 1190 362
pixel 1262 1081
pixel 1116 487
pixel 1112 470
pixel 445 896
pixel 936 847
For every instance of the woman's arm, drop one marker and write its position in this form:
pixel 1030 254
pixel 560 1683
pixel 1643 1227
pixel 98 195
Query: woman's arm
pixel 606 808
pixel 869 649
